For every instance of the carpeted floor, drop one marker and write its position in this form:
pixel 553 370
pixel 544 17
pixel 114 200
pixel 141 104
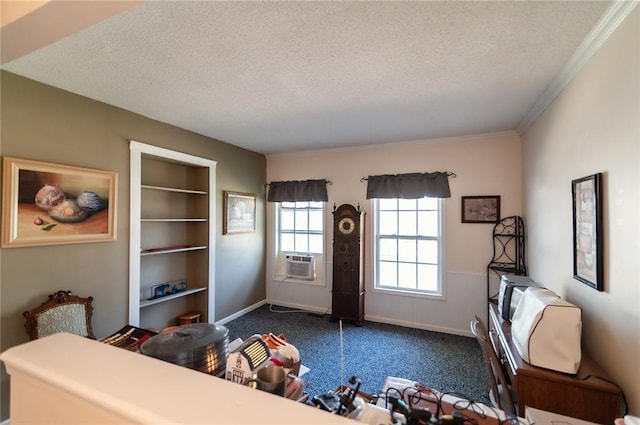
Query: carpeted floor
pixel 449 363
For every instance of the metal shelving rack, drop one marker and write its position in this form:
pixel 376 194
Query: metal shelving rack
pixel 508 251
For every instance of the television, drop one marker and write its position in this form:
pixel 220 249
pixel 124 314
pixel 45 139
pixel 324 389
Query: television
pixel 511 289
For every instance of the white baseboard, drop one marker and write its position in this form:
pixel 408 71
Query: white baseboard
pixel 451 331
pixel 238 314
pixel 315 309
pixel 5 422
pixel 309 308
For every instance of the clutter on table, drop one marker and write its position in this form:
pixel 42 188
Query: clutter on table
pixel 256 360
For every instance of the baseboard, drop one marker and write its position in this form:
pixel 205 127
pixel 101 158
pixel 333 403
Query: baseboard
pixel 309 308
pixel 315 309
pixel 238 314
pixel 5 422
pixel 451 331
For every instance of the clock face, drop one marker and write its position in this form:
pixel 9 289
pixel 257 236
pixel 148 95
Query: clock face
pixel 346 226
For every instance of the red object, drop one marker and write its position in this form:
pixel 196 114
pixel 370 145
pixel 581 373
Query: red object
pixel 276 361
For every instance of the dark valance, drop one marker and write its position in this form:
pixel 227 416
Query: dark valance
pixel 298 190
pixel 409 186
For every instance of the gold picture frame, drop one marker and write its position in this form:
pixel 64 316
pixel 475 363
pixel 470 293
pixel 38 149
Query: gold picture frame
pixel 54 204
pixel 239 210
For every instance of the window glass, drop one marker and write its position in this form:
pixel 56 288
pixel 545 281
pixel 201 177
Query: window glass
pixel 286 242
pixel 408 248
pixel 388 250
pixel 407 222
pixel 388 222
pixel 301 227
pixel 286 220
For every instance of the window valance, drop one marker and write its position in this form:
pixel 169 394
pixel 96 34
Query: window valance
pixel 298 190
pixel 409 186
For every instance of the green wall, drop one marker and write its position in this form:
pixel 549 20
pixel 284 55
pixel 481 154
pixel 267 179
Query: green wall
pixel 39 122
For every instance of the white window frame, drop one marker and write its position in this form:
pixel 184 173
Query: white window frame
pixel 280 264
pixel 440 292
pixel 307 232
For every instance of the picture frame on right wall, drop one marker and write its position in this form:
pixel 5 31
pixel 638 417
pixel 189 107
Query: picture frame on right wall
pixel 587 231
pixel 239 211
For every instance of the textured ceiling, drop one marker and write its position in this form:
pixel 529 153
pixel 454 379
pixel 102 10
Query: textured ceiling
pixel 290 76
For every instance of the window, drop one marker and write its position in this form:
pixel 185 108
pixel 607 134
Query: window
pixel 408 251
pixel 301 227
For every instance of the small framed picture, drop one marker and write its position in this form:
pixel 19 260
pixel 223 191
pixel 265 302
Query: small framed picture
pixel 587 230
pixel 481 209
pixel 239 210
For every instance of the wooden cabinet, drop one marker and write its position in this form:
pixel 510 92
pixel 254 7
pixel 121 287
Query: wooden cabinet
pixel 588 395
pixel 172 236
pixel 347 298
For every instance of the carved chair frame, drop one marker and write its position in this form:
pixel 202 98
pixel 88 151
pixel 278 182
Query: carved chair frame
pixel 58 299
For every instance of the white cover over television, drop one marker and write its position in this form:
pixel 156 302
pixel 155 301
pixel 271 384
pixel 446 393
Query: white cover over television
pixel 547 331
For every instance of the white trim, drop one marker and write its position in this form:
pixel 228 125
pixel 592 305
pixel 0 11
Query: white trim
pixel 139 150
pixel 419 142
pixel 308 308
pixel 313 309
pixel 416 325
pixel 5 422
pixel 441 293
pixel 612 18
pixel 241 312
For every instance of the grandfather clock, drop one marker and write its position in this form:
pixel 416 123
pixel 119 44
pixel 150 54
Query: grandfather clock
pixel 347 297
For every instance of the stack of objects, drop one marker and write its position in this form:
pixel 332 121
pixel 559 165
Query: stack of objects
pixel 282 352
pixel 200 346
pixel 285 355
pixel 248 357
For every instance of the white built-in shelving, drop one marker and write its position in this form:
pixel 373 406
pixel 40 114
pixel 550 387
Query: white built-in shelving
pixel 172 235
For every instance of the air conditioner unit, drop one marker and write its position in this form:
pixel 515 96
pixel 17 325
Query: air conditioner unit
pixel 300 266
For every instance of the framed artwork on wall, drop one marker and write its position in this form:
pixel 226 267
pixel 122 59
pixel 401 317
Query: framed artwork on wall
pixel 587 230
pixel 239 211
pixel 53 204
pixel 481 209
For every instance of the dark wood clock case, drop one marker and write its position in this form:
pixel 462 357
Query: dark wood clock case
pixel 347 298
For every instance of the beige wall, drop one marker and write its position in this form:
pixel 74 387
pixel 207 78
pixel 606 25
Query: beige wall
pixel 47 124
pixel 593 126
pixel 484 164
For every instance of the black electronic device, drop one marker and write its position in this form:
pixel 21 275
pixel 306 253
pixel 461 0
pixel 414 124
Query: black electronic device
pixel 421 415
pixel 455 418
pixel 511 289
pixel 340 404
pixel 328 401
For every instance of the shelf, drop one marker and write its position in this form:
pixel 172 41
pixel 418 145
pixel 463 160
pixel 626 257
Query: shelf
pixel 172 220
pixel 147 303
pixel 172 189
pixel 158 251
pixel 172 211
pixel 506 267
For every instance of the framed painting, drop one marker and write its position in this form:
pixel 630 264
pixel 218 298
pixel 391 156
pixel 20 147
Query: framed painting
pixel 239 211
pixel 587 230
pixel 53 204
pixel 480 209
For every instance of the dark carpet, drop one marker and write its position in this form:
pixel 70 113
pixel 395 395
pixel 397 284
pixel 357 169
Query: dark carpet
pixel 373 351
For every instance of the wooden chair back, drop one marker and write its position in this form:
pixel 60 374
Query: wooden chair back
pixel 503 397
pixel 62 312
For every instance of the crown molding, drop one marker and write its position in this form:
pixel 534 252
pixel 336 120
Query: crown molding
pixel 395 145
pixel 611 19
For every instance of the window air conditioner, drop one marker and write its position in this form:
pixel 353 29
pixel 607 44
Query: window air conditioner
pixel 300 266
